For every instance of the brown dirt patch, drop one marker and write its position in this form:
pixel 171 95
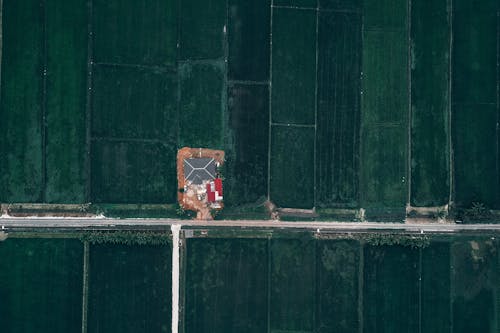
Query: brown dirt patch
pixel 187 198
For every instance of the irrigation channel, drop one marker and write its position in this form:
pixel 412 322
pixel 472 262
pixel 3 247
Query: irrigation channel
pixel 249 276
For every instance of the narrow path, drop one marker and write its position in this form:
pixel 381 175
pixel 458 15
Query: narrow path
pixel 176 228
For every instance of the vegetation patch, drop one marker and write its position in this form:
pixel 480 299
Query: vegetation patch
pixel 126 238
pixel 379 239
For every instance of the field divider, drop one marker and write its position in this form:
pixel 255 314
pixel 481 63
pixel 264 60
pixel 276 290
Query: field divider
pixel 410 113
pixel 268 285
pixel 450 110
pixel 293 7
pixel 1 39
pixel 176 228
pixel 43 114
pixel 127 140
pixel 85 291
pixel 270 102
pixel 316 88
pixel 294 125
pixel 248 82
pixel 163 68
pixel 88 106
pixel 420 273
pixel 361 273
pixel 498 109
pixel 452 287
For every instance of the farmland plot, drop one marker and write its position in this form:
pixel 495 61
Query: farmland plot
pixel 475 104
pixel 130 288
pixel 430 103
pixel 41 285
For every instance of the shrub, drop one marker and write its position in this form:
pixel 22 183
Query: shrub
pixel 126 237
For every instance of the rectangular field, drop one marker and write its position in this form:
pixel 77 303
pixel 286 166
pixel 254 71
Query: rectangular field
pixel 226 286
pixel 135 32
pixel 430 103
pixel 247 157
pixel 133 172
pixel 293 285
pixel 384 117
pixel 337 286
pixel 130 288
pixel 66 149
pixel 475 149
pixel 384 167
pixel 339 84
pixel 475 285
pixel 202 105
pixel 21 131
pixel 435 288
pixel 292 166
pixel 134 103
pixel 391 277
pixel 202 29
pixel 385 15
pixel 41 285
pixel 293 66
pixel 475 104
pixel 248 40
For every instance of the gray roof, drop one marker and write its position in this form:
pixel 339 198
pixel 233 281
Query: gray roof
pixel 197 170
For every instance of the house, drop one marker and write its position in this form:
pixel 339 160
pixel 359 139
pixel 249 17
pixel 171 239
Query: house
pixel 197 170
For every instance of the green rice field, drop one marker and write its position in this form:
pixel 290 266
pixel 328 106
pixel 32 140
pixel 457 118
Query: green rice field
pixel 46 282
pixel 41 285
pixel 132 283
pixel 318 104
pixel 310 285
pixel 248 281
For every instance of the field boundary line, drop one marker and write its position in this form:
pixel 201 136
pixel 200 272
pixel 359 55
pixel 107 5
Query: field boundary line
pixel 163 69
pixel 226 135
pixel 451 162
pixel 85 290
pixel 316 108
pixel 420 254
pixel 294 125
pixel 294 7
pixel 270 101
pixel 361 272
pixel 360 195
pixel 452 286
pixel 127 140
pixel 43 113
pixel 410 113
pixel 248 82
pixel 268 285
pixel 384 30
pixel 178 76
pixel 316 307
pixel 1 40
pixel 206 61
pixel 498 110
pixel 88 106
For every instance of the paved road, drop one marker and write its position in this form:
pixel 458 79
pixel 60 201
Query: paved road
pixel 109 223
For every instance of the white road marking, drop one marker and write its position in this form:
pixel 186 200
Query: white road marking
pixel 176 228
